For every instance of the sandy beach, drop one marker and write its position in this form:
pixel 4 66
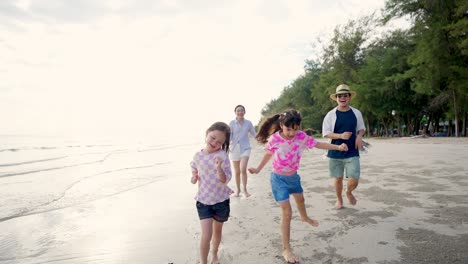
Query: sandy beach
pixel 118 203
pixel 412 208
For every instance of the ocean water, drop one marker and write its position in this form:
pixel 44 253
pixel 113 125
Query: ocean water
pixel 96 200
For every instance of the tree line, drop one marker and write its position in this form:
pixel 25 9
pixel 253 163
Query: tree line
pixel 408 81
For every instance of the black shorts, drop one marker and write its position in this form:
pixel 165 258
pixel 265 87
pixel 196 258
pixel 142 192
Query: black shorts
pixel 219 212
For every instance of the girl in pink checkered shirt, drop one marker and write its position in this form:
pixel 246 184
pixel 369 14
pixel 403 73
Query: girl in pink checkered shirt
pixel 286 142
pixel 211 169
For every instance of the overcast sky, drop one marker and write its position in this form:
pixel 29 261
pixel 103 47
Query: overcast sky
pixel 86 66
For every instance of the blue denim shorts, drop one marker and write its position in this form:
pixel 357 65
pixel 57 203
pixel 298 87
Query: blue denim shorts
pixel 351 166
pixel 283 186
pixel 219 211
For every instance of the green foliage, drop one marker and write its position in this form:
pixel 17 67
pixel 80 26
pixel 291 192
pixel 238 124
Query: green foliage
pixel 411 73
pixel 296 96
pixel 438 61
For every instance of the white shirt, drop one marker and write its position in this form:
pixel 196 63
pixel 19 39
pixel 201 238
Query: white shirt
pixel 329 121
pixel 240 134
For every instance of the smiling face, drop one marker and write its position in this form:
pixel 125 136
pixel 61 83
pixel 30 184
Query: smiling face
pixel 214 140
pixel 343 101
pixel 289 132
pixel 240 112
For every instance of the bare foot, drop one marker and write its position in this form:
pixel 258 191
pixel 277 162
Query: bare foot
pixel 311 222
pixel 289 256
pixel 236 194
pixel 215 260
pixel 338 205
pixel 351 198
pixel 246 193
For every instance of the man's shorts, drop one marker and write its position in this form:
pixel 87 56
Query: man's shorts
pixel 351 166
pixel 219 212
pixel 235 155
pixel 283 186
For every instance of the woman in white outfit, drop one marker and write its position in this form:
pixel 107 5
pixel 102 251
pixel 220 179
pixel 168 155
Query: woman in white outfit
pixel 240 147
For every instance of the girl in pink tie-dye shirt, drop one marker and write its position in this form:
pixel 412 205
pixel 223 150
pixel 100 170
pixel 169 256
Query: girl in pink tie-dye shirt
pixel 286 143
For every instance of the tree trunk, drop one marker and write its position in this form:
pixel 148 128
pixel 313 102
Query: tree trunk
pixel 455 110
pixel 410 125
pixel 368 133
pixel 464 124
pixel 449 128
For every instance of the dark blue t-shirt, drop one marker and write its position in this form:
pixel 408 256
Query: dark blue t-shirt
pixel 345 122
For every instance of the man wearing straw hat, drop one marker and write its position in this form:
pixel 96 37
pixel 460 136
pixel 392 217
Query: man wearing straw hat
pixel 344 124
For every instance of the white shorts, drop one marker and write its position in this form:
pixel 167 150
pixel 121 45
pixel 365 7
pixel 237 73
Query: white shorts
pixel 235 154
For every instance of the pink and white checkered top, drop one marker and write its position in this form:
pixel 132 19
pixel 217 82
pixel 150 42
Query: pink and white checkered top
pixel 210 189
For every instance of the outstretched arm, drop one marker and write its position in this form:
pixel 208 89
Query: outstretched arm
pixel 324 145
pixel 262 164
pixel 252 131
pixel 344 135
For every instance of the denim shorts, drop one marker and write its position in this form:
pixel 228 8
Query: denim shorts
pixel 350 166
pixel 219 211
pixel 283 186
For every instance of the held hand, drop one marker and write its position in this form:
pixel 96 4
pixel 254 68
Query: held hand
pixel 253 170
pixel 343 147
pixel 346 135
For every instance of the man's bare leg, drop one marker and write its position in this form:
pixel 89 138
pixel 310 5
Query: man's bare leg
pixel 351 186
pixel 339 190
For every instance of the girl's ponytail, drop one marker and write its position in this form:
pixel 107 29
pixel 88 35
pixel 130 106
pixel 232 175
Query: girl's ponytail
pixel 267 128
pixel 269 125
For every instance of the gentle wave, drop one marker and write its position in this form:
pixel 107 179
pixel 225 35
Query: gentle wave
pixel 52 193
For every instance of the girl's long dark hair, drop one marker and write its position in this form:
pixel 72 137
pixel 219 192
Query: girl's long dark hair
pixel 271 124
pixel 223 127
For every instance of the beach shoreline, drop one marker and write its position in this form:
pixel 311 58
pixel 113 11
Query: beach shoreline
pixel 114 203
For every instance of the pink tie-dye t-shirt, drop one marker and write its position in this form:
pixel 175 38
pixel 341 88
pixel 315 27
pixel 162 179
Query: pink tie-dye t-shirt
pixel 210 189
pixel 287 153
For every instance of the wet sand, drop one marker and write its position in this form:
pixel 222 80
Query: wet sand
pixel 412 208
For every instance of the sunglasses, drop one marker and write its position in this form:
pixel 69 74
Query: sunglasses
pixel 343 95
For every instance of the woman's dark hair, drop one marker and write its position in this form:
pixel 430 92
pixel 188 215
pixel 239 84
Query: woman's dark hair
pixel 271 124
pixel 223 127
pixel 235 108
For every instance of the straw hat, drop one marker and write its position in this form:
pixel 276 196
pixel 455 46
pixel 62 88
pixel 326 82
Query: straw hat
pixel 343 89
